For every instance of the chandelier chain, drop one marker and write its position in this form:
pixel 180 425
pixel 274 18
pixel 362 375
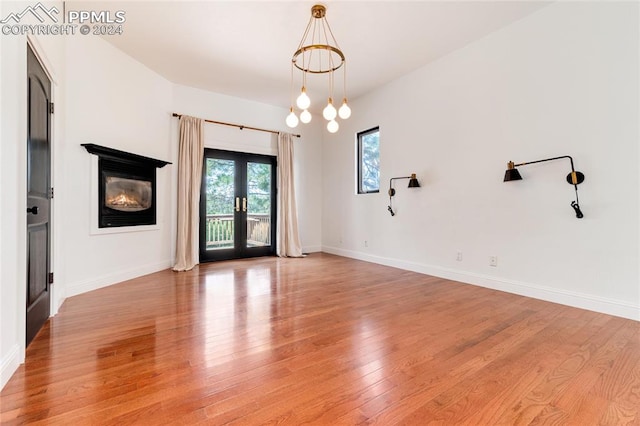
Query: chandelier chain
pixel 291 83
pixel 344 81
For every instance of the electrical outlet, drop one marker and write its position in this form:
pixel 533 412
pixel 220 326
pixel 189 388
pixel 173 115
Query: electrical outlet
pixel 493 260
pixel 459 256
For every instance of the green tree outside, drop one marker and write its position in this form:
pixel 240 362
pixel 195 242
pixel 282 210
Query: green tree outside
pixel 370 161
pixel 220 187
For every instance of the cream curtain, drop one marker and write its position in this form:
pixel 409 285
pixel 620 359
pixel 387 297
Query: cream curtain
pixel 191 152
pixel 287 239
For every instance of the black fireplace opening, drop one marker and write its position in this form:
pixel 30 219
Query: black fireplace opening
pixel 127 194
pixel 126 187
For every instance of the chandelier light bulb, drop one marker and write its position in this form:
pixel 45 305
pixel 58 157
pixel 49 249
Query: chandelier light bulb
pixel 329 112
pixel 344 112
pixel 305 116
pixel 303 100
pixel 333 126
pixel 292 119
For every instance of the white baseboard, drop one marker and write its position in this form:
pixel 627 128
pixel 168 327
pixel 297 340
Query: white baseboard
pixel 58 297
pixel 311 249
pixel 8 365
pixel 577 300
pixel 73 289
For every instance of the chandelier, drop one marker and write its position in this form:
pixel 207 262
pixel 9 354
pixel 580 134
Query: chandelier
pixel 318 53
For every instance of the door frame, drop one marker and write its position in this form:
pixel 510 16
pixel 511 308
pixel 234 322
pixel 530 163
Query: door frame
pixel 56 292
pixel 39 224
pixel 240 191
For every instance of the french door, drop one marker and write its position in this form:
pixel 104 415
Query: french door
pixel 237 205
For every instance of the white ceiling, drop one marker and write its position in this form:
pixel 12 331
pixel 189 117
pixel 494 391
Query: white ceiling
pixel 244 49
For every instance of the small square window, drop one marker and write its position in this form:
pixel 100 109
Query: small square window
pixel 369 161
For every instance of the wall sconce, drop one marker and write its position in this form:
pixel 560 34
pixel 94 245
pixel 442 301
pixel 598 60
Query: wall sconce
pixel 574 178
pixel 413 183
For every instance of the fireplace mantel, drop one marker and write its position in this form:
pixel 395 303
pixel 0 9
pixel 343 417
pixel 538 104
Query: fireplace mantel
pixel 116 154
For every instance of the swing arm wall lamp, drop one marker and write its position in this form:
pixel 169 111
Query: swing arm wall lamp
pixel 413 183
pixel 574 178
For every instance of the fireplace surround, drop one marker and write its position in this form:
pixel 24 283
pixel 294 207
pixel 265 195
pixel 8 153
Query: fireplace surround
pixel 126 187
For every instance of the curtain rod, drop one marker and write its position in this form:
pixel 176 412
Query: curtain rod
pixel 240 126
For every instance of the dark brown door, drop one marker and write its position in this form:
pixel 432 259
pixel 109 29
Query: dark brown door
pixel 38 195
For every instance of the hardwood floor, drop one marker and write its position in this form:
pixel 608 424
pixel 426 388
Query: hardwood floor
pixel 323 340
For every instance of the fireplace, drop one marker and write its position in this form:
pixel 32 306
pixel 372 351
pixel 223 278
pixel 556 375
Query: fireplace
pixel 127 194
pixel 126 187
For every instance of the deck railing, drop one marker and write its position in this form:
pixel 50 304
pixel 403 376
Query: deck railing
pixel 219 230
pixel 258 229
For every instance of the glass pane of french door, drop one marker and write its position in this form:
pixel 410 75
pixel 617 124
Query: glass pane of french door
pixel 237 205
pixel 220 197
pixel 259 178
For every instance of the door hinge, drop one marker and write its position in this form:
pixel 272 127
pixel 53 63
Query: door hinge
pixel 51 195
pixel 50 277
pixel 51 107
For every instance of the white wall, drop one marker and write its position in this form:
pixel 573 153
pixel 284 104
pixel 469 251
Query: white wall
pixel 3 320
pixel 114 101
pixel 563 81
pixel 307 149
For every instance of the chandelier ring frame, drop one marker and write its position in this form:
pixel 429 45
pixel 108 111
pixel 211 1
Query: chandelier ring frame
pixel 312 47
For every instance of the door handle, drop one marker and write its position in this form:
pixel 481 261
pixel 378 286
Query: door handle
pixel 237 204
pixel 244 204
pixel 32 210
